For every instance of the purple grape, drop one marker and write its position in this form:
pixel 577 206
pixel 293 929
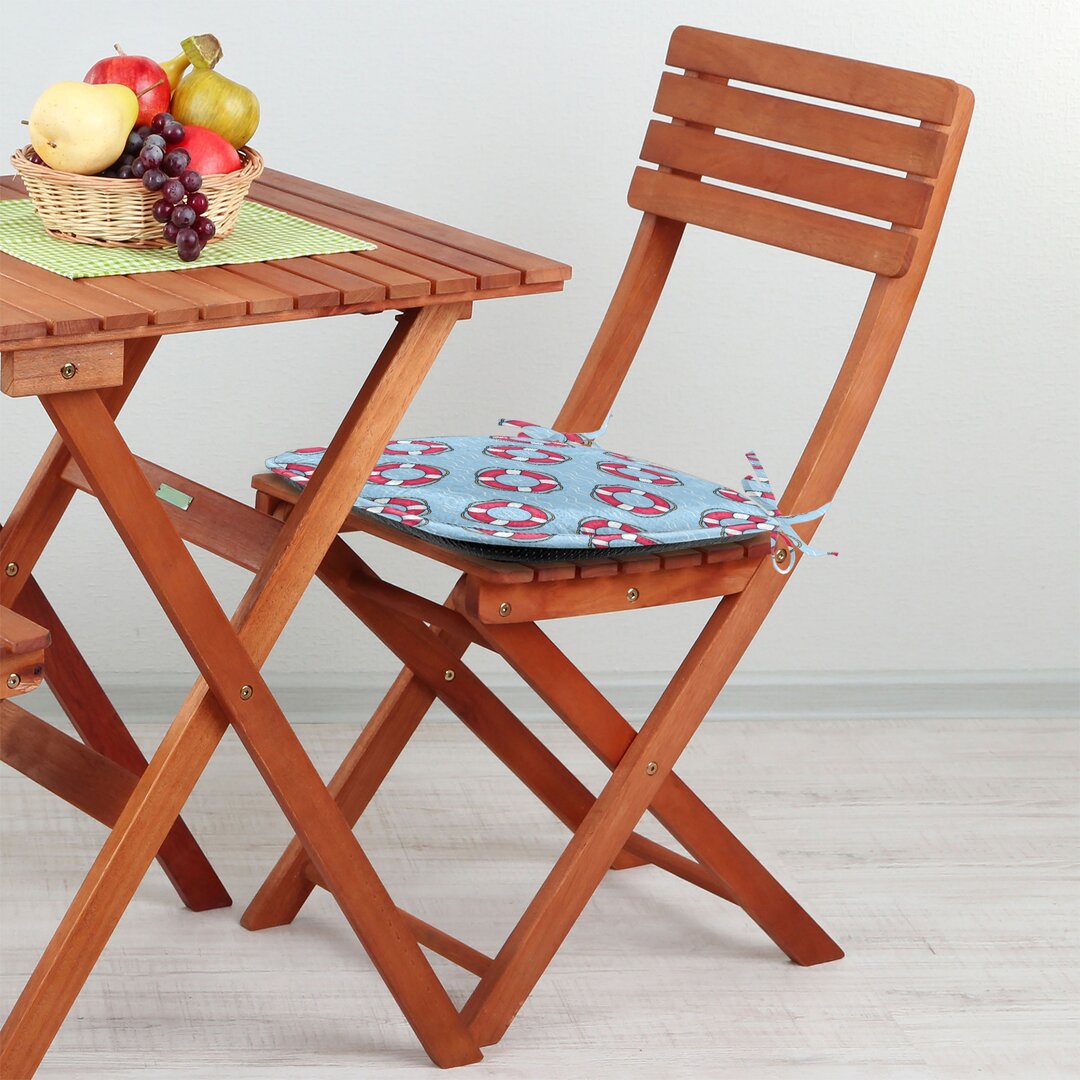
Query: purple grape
pixel 137 169
pixel 134 143
pixel 173 191
pixel 34 157
pixel 176 161
pixel 172 131
pixel 156 140
pixel 153 179
pixel 170 231
pixel 183 217
pixel 142 130
pixel 191 180
pixel 204 229
pixel 198 201
pixel 162 210
pixel 124 172
pixel 151 156
pixel 159 122
pixel 187 245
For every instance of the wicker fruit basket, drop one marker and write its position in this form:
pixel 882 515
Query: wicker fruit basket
pixel 116 213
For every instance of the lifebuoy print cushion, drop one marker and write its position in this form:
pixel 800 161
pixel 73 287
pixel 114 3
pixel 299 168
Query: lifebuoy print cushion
pixel 556 490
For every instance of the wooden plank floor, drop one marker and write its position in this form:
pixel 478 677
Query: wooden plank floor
pixel 941 854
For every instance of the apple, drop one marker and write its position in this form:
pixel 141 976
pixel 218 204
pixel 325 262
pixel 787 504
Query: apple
pixel 140 74
pixel 211 155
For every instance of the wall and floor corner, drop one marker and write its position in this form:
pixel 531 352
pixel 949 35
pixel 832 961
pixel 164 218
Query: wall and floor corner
pixel 952 521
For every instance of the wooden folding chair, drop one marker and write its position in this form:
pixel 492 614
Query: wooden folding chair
pixel 498 605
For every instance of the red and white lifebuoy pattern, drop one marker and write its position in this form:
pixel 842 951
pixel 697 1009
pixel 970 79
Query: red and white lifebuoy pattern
pixel 525 455
pixel 522 480
pixel 734 524
pixel 412 512
pixel 416 447
pixel 405 474
pixel 507 515
pixel 642 474
pixel 297 471
pixel 516 535
pixel 603 533
pixel 633 500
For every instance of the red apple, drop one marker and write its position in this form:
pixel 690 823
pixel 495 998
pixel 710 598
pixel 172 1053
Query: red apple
pixel 139 73
pixel 210 154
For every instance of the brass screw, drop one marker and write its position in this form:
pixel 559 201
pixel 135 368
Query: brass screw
pixel 504 609
pixel 68 371
pixel 246 692
pixel 632 595
pixel 11 569
pixel 13 680
pixel 650 769
pixel 781 556
pixel 448 676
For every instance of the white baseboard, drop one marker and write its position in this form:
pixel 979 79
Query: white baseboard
pixel 334 697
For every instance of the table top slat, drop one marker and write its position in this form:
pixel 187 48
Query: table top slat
pixel 213 302
pixel 16 323
pixel 491 275
pixel 399 283
pixel 115 313
pixel 305 292
pixel 163 308
pixel 351 288
pixel 62 316
pixel 444 279
pixel 260 298
pixel 534 268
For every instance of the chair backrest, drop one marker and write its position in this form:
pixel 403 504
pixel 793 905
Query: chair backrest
pixel 906 204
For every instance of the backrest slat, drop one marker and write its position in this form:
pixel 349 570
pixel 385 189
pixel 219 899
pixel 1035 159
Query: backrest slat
pixel 703 177
pixel 826 236
pixel 799 71
pixel 861 191
pixel 871 139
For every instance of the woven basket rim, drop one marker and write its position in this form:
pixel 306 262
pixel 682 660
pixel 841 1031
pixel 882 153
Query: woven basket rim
pixel 252 160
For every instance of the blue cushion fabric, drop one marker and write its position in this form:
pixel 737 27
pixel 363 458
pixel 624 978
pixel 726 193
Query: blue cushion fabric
pixel 542 489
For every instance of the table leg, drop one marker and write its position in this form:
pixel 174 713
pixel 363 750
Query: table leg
pixel 229 659
pixel 99 726
pixel 33 521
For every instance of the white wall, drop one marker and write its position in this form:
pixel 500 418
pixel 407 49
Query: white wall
pixel 958 521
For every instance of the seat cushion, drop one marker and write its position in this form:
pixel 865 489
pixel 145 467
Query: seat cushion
pixel 550 491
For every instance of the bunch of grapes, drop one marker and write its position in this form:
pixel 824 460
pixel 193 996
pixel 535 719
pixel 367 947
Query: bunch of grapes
pixel 182 207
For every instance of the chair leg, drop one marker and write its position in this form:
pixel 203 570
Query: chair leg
pixel 637 779
pixel 592 717
pixel 384 737
pixel 287 887
pixel 92 715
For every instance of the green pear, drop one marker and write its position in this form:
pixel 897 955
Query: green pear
pixel 82 128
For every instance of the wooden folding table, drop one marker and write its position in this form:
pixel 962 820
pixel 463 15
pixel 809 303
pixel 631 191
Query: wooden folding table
pixel 80 346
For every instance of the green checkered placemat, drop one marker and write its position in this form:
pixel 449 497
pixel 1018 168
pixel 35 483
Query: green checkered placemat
pixel 261 233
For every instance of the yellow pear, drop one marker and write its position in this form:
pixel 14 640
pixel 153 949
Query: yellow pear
pixel 174 69
pixel 81 128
